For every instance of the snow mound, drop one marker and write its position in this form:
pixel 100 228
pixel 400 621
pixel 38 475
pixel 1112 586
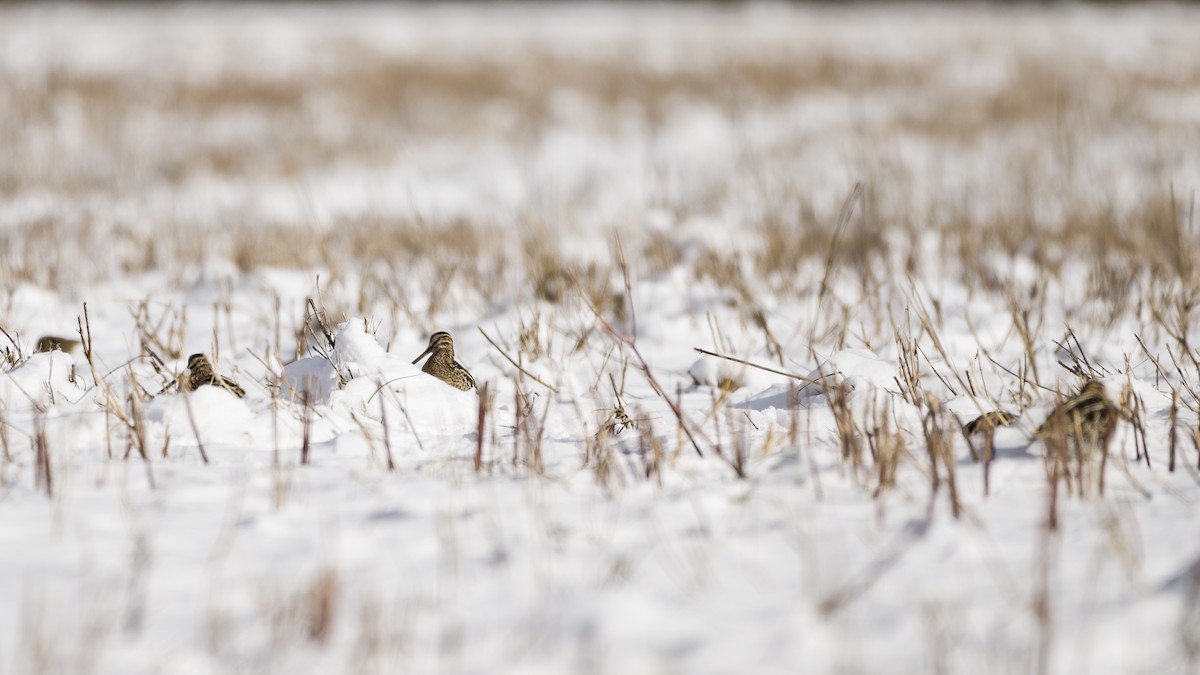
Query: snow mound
pixel 855 367
pixel 38 381
pixel 393 392
pixel 314 376
pixel 219 416
pixel 709 372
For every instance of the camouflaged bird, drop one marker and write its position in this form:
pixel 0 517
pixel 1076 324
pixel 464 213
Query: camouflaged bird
pixel 49 343
pixel 200 373
pixel 989 421
pixel 441 363
pixel 1086 420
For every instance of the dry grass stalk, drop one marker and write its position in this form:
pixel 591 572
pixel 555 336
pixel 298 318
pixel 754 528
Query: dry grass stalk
pixel 1189 619
pixel 1174 430
pixel 136 436
pixel 847 431
pixel 515 364
pixel 44 475
pixel 135 603
pixel 13 354
pixel 941 451
pixel 172 323
pixel 886 445
pixel 1042 605
pixel 1134 409
pixel 652 454
pixel 801 378
pixel 320 604
pixel 187 403
pixel 737 459
pixel 4 438
pixel 308 612
pixel 630 343
pixel 1076 436
pixel 485 406
pixel 112 400
pixel 600 453
pixel 528 431
pixel 387 437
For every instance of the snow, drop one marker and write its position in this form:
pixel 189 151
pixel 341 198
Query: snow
pixel 354 514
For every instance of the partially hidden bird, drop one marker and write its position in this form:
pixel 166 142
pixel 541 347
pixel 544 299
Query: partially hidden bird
pixel 50 343
pixel 989 421
pixel 441 363
pixel 200 373
pixel 1087 419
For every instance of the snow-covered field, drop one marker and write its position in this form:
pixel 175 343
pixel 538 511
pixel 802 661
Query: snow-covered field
pixel 945 209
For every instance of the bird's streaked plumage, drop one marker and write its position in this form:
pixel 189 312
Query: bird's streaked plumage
pixel 200 373
pixel 441 363
pixel 50 343
pixel 988 421
pixel 1087 419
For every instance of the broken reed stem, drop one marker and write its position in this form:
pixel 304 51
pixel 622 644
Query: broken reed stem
pixel 1021 323
pixel 951 478
pixel 518 421
pixel 793 440
pixel 187 403
pixel 848 440
pixel 516 365
pixel 411 426
pixel 989 450
pixel 1103 466
pixel 108 432
pixel 738 461
pixel 1043 609
pixel 305 428
pixel 533 443
pixel 927 324
pixel 847 210
pixel 137 430
pixel 941 451
pixel 4 438
pixel 717 435
pixel 387 438
pixel 479 427
pixel 16 345
pixel 761 367
pixel 367 435
pixel 1140 427
pixel 1163 373
pixel 934 475
pixel 675 409
pixel 1195 436
pixel 1053 474
pixel 322 317
pixel 85 338
pixel 44 476
pixel 650 453
pixel 673 404
pixel 1174 435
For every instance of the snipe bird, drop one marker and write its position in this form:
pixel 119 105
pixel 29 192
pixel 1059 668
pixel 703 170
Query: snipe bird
pixel 49 343
pixel 1086 420
pixel 988 421
pixel 200 373
pixel 441 363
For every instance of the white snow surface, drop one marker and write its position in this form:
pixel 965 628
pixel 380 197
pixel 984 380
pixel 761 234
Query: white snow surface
pixel 437 550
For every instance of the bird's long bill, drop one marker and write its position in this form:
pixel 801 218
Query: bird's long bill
pixel 427 350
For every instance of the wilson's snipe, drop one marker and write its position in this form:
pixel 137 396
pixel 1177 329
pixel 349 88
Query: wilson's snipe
pixel 989 420
pixel 200 373
pixel 441 363
pixel 49 343
pixel 1087 419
